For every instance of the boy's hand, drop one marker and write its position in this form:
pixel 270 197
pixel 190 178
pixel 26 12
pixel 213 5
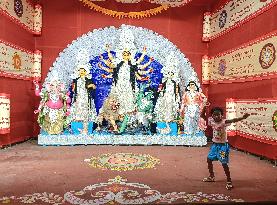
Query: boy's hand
pixel 246 115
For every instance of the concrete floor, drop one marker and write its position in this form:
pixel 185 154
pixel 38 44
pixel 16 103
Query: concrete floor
pixel 27 168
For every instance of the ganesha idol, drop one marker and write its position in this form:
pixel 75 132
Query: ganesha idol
pixel 53 107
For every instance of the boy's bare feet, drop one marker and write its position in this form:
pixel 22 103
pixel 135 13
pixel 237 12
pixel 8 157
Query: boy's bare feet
pixel 209 179
pixel 229 186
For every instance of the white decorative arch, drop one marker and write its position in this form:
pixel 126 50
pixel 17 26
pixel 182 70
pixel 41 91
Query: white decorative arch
pixel 94 43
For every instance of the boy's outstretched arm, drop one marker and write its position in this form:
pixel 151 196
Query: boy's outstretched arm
pixel 246 115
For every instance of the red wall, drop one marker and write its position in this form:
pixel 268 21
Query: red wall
pixel 66 20
pixel 258 26
pixel 22 98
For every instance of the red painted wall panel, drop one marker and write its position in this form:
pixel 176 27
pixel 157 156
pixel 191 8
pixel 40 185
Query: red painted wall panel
pixel 15 34
pixel 256 27
pixel 22 97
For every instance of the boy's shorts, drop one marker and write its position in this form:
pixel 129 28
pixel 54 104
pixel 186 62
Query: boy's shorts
pixel 219 151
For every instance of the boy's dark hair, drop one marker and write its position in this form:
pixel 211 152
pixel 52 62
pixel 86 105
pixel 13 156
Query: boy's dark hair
pixel 217 109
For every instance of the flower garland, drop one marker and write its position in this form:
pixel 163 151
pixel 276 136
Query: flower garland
pixel 120 15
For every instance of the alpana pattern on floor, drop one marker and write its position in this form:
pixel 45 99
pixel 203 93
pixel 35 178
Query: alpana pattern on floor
pixel 116 191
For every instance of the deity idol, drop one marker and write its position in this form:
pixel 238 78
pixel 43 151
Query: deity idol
pixel 193 102
pixel 83 107
pixel 166 109
pixel 53 106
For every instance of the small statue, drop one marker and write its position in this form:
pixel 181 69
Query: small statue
pixel 145 106
pixel 124 70
pixel 83 107
pixel 109 112
pixel 53 107
pixel 193 102
pixel 167 107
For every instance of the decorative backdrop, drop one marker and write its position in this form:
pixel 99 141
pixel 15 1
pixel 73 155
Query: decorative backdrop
pixel 261 125
pixel 120 14
pixel 255 60
pixel 86 52
pixel 231 15
pixel 20 63
pixel 23 13
pixel 90 45
pixel 4 113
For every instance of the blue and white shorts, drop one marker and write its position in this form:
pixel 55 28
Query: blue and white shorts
pixel 220 152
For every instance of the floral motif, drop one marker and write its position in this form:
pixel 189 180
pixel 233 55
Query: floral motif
pixel 267 55
pixel 123 161
pixel 17 61
pixel 222 154
pixel 35 198
pixel 117 191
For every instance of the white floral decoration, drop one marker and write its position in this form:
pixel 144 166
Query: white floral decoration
pixel 94 42
pixel 126 41
pixel 172 65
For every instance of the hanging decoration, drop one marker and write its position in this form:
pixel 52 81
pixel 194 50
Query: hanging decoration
pixel 24 14
pixel 255 60
pixel 19 63
pixel 120 15
pixel 36 69
pixel 262 123
pixel 232 15
pixel 172 3
pixel 5 113
pixel 206 26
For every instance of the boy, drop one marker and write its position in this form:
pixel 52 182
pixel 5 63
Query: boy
pixel 220 147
